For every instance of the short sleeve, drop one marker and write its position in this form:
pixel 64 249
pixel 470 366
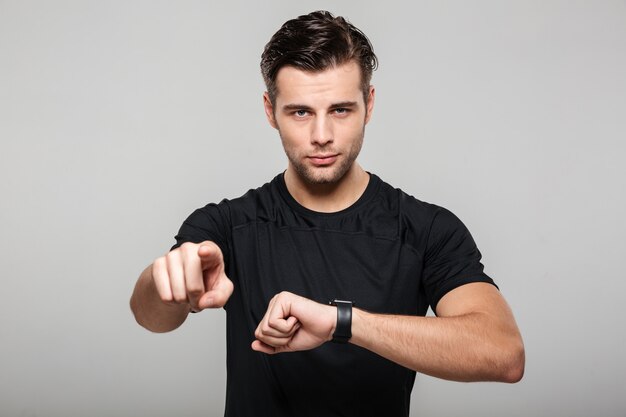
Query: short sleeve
pixel 211 222
pixel 451 258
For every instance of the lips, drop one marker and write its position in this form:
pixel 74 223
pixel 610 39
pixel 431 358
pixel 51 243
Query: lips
pixel 323 159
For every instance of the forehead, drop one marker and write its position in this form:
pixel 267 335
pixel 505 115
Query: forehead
pixel 340 83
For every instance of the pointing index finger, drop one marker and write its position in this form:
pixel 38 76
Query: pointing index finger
pixel 210 254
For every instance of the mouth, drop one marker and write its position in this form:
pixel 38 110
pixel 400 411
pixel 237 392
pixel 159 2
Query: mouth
pixel 323 159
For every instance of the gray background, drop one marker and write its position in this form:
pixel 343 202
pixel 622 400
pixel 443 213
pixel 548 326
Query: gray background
pixel 118 118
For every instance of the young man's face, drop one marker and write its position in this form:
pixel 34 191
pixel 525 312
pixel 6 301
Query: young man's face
pixel 321 118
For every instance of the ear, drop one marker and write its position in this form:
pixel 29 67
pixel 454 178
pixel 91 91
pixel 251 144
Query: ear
pixel 370 103
pixel 269 110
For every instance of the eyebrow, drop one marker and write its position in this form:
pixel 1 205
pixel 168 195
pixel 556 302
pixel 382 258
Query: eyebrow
pixel 294 106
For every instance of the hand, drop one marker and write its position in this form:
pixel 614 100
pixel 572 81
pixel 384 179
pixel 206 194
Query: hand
pixel 193 274
pixel 292 323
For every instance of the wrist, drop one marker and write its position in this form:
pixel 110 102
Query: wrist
pixel 332 319
pixel 358 318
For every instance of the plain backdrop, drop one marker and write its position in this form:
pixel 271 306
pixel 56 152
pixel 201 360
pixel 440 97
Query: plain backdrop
pixel 119 118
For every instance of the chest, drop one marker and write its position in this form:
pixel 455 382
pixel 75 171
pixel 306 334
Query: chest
pixel 379 274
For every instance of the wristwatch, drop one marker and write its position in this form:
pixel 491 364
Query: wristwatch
pixel 343 330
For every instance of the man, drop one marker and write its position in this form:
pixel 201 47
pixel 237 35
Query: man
pixel 282 257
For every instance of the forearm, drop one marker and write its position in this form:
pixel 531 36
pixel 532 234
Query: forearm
pixel 470 347
pixel 152 313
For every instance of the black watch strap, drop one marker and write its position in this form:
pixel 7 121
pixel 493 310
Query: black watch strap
pixel 343 330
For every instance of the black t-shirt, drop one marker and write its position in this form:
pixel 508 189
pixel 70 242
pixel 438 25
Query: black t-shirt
pixel 388 253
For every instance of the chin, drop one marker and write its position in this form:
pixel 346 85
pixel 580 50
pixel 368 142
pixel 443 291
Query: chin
pixel 326 176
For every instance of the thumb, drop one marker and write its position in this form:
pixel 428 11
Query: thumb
pixel 218 296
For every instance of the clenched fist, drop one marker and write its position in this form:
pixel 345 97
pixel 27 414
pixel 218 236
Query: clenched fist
pixel 292 323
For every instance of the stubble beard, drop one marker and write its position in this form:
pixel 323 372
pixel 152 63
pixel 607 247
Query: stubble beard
pixel 324 175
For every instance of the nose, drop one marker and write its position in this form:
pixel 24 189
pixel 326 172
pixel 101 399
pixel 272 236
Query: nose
pixel 322 131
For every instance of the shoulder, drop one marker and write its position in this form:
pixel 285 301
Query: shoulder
pixel 409 208
pixel 254 204
pixel 215 221
pixel 420 221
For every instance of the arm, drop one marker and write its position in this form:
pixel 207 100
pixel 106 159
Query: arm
pixel 475 337
pixel 190 277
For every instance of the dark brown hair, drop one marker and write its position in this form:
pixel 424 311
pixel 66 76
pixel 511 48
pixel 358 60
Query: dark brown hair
pixel 315 42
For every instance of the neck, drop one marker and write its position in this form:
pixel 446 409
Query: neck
pixel 328 198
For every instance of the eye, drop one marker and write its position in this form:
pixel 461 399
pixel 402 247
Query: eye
pixel 300 113
pixel 341 111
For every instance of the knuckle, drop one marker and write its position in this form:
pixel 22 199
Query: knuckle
pixel 158 263
pixel 188 245
pixel 172 256
pixel 188 248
